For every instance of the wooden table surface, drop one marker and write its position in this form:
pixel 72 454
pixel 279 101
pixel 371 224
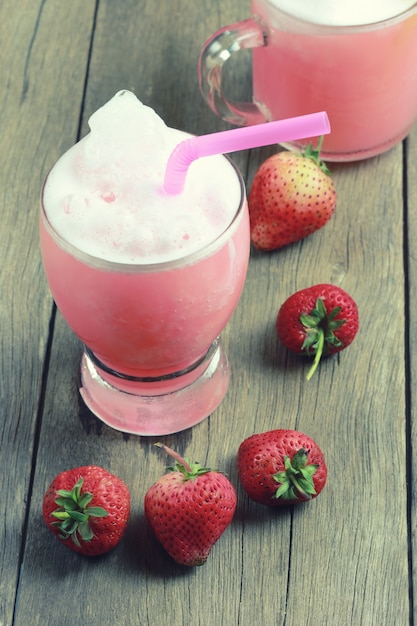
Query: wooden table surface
pixel 347 558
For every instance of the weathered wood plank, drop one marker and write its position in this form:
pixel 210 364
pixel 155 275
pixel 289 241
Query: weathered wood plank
pixel 355 407
pixel 152 49
pixel 44 51
pixel 411 321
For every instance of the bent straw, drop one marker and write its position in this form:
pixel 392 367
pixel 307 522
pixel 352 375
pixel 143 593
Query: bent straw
pixel 312 125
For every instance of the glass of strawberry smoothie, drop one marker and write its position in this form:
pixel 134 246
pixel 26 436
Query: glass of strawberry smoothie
pixel 355 60
pixel 147 281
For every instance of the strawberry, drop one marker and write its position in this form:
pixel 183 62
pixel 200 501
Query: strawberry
pixel 319 320
pixel 292 196
pixel 281 467
pixel 188 509
pixel 87 508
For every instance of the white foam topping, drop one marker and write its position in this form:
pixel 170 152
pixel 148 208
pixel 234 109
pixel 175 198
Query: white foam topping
pixel 104 196
pixel 340 13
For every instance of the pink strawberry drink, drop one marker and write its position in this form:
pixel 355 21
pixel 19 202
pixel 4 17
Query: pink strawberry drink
pixel 355 60
pixel 364 76
pixel 146 280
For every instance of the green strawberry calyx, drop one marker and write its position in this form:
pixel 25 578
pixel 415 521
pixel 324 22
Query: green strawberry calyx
pixel 297 478
pixel 189 470
pixel 314 155
pixel 319 326
pixel 74 513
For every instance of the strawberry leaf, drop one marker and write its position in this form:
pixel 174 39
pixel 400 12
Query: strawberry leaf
pixel 66 503
pixel 319 326
pixel 189 470
pixel 61 515
pixel 85 532
pixel 286 492
pixel 314 155
pixel 73 513
pixel 97 511
pixel 84 499
pixel 79 517
pixel 296 480
pixel 310 321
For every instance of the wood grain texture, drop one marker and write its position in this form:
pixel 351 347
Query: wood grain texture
pixel 342 559
pixel 44 52
pixel 411 326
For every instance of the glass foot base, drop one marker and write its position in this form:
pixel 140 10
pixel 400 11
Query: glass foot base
pixel 160 407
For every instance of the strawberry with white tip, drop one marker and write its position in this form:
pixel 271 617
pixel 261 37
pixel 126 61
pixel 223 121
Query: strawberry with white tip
pixel 291 197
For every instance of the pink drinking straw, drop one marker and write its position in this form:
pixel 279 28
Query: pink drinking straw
pixel 312 125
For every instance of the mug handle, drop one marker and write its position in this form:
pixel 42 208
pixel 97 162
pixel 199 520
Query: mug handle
pixel 215 52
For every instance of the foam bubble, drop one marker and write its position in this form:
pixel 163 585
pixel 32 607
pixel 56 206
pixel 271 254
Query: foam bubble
pixel 105 194
pixel 339 13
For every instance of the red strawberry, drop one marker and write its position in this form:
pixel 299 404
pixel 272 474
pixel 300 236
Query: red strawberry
pixel 318 320
pixel 281 467
pixel 188 510
pixel 292 196
pixel 87 508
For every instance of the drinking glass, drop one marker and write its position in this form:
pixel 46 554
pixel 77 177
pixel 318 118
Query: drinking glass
pixel 153 361
pixel 364 76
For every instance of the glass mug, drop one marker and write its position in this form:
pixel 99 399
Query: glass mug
pixel 364 76
pixel 153 362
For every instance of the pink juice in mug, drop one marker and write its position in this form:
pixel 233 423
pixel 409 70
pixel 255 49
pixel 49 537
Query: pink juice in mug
pixel 146 280
pixel 344 58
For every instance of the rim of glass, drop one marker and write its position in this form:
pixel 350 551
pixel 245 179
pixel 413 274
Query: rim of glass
pixel 187 259
pixel 347 27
